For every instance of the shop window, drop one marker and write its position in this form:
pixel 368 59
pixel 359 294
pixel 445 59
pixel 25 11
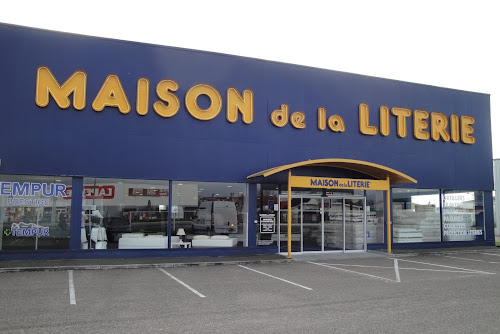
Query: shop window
pixel 375 206
pixel 416 215
pixel 267 214
pixel 210 214
pixel 35 212
pixel 124 213
pixel 463 215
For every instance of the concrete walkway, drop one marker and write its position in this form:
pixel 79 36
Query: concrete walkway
pixel 132 263
pixel 165 262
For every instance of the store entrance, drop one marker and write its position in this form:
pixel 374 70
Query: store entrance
pixel 319 224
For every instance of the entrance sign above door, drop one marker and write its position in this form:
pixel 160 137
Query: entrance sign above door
pixel 338 183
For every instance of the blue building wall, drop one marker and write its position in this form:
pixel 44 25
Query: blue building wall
pixel 57 141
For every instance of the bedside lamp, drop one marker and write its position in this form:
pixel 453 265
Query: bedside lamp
pixel 97 214
pixel 181 233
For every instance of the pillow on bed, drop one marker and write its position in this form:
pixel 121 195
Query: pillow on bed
pixel 220 237
pixel 132 235
pixel 201 237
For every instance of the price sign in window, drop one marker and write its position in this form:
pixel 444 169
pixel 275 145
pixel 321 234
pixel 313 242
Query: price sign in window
pixel 267 223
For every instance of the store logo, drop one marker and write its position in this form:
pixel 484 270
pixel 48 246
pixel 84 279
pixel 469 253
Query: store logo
pixel 31 189
pixel 28 230
pixel 351 184
pixel 94 192
pixel 112 94
pixel 7 232
pixel 426 126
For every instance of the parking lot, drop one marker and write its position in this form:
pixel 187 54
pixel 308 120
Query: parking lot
pixel 456 292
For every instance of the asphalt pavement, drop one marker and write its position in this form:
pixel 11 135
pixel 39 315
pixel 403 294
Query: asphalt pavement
pixel 427 291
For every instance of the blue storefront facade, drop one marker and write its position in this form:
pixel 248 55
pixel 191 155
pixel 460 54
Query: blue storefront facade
pixel 120 149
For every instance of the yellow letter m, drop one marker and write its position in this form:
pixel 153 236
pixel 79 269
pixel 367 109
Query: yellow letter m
pixel 47 84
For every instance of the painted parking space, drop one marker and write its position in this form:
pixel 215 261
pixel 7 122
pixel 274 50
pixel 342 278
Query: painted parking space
pixel 407 269
pixel 35 291
pixel 488 262
pixel 135 286
pixel 438 267
pixel 491 256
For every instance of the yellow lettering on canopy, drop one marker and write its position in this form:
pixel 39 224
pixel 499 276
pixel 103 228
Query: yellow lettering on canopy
pixel 47 84
pixel 467 130
pixel 142 102
pixel 420 124
pixel 401 115
pixel 438 127
pixel 111 94
pixel 279 117
pixel 364 121
pixel 163 91
pixel 243 104
pixel 192 105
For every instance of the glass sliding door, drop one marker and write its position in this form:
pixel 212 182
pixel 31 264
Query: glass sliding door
pixel 296 224
pixel 312 224
pixel 355 223
pixel 333 215
pixel 324 223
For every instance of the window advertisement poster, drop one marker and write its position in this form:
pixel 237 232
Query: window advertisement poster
pixel 267 223
pixel 34 213
pixel 463 218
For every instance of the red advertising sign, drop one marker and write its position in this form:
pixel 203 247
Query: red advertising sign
pixel 147 192
pixel 94 192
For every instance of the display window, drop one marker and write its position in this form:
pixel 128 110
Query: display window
pixel 124 214
pixel 210 214
pixel 416 215
pixel 463 215
pixel 375 206
pixel 268 203
pixel 35 212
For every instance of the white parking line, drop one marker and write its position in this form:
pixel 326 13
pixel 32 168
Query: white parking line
pixel 356 265
pixel 440 265
pixel 355 272
pixel 441 270
pixel 72 298
pixel 491 254
pixel 463 258
pixel 182 283
pixel 396 269
pixel 281 279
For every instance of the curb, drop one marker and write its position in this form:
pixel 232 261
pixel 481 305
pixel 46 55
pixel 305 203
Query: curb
pixel 434 253
pixel 138 266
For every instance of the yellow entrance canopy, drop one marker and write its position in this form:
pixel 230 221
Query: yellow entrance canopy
pixel 374 170
pixel 378 172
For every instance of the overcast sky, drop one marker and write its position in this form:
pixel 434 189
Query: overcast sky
pixel 443 43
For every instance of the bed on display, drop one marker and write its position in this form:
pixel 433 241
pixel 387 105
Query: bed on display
pixel 142 241
pixel 213 241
